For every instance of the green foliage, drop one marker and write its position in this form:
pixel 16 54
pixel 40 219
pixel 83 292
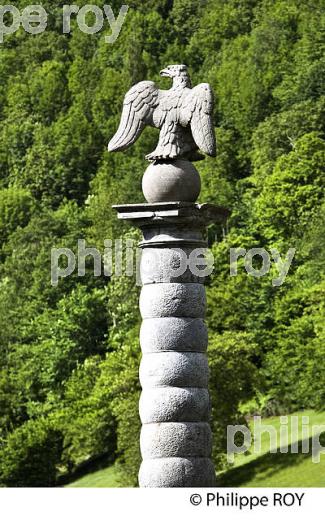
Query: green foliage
pixel 121 378
pixel 232 371
pixel 292 193
pixel 48 91
pixel 120 375
pixel 16 208
pixel 295 368
pixel 69 353
pixel 85 418
pixel 29 456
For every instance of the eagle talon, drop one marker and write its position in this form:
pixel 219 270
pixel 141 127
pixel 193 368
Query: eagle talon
pixel 152 157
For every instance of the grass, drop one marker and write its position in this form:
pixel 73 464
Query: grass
pixel 103 478
pixel 264 469
pixel 279 469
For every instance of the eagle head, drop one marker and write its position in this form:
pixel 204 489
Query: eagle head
pixel 178 73
pixel 174 71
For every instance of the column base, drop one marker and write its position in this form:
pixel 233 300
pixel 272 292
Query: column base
pixel 177 472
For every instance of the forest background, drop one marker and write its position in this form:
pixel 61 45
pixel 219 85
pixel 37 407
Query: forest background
pixel 69 354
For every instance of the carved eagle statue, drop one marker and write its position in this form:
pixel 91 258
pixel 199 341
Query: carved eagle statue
pixel 183 114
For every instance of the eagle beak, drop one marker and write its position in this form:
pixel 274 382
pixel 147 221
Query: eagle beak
pixel 165 73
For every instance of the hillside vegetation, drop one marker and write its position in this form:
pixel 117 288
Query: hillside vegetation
pixel 69 352
pixel 284 468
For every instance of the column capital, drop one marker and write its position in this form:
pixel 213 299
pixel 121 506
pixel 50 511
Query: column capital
pixel 168 224
pixel 143 214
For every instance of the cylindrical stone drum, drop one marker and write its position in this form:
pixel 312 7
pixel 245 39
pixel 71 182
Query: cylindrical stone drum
pixel 174 405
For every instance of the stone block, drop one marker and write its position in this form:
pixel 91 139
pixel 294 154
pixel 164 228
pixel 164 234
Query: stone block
pixel 177 472
pixel 171 265
pixel 172 404
pixel 183 369
pixel 173 334
pixel 175 440
pixel 173 299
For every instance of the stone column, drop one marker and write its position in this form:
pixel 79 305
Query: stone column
pixel 174 405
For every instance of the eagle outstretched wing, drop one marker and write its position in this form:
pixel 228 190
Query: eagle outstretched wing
pixel 198 113
pixel 138 108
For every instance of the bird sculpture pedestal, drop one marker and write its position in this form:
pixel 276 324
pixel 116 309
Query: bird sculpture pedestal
pixel 174 405
pixel 171 181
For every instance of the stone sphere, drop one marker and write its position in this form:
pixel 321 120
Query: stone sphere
pixel 174 181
